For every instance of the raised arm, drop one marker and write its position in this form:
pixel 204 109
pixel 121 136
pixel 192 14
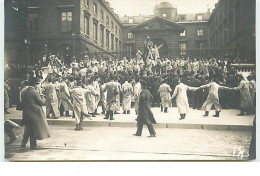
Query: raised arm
pixel 204 86
pixel 192 88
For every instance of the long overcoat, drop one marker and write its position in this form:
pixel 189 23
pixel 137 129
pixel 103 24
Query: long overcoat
pixel 33 114
pixel 145 114
pixel 164 91
pixel 112 93
pixel 213 98
pixel 127 90
pixel 245 97
pixel 182 103
pixel 64 97
pixel 51 99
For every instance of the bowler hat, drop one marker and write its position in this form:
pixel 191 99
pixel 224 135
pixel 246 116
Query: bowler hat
pixel 34 81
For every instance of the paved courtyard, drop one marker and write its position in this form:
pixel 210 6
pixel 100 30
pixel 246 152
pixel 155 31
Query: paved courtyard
pixel 227 117
pixel 117 143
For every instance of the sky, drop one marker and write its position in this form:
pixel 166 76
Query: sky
pixel 145 7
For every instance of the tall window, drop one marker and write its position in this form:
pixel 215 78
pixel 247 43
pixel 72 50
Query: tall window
pixel 86 25
pixel 95 32
pixel 102 15
pixel 102 35
pixel 95 10
pixel 112 42
pixel 130 20
pixel 107 39
pixel 33 22
pixel 182 34
pixel 87 3
pixel 116 30
pixel 107 22
pixel 112 25
pixel 202 45
pixel 200 32
pixel 129 50
pixel 66 21
pixel 182 47
pixel 116 44
pixel 130 35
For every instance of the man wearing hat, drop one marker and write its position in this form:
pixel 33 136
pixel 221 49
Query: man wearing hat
pixel 145 114
pixel 33 118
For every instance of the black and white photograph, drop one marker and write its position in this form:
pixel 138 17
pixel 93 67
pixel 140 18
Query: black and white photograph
pixel 129 80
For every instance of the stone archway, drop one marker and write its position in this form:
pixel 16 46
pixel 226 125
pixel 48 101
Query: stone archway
pixel 164 49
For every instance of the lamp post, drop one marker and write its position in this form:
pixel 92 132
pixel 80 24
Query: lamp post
pixel 27 42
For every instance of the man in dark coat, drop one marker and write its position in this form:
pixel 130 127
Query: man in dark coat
pixel 33 117
pixel 145 114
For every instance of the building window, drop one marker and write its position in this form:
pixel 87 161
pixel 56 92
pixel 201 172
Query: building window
pixel 200 32
pixel 199 17
pixel 102 15
pixel 130 35
pixel 129 50
pixel 164 15
pixel 33 22
pixel 102 35
pixel 182 17
pixel 130 20
pixel 182 34
pixel 107 22
pixel 202 45
pixel 112 25
pixel 66 21
pixel 86 25
pixel 116 45
pixel 95 9
pixel 95 31
pixel 87 3
pixel 107 40
pixel 182 49
pixel 116 30
pixel 112 42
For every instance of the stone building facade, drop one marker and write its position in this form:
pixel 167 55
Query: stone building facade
pixel 73 29
pixel 232 27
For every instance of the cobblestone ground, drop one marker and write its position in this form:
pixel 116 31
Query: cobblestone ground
pixel 114 143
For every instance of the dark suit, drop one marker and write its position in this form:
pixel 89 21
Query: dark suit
pixel 145 114
pixel 33 119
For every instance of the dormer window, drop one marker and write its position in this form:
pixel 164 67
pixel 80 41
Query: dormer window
pixel 199 17
pixel 130 20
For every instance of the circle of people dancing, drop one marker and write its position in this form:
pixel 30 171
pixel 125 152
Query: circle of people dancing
pixel 79 88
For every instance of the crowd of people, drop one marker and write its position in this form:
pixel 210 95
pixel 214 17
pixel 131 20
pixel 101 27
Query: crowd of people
pixel 79 88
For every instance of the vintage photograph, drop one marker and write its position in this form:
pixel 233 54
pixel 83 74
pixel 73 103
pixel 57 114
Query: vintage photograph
pixel 121 80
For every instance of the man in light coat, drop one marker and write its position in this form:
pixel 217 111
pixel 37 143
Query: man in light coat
pixel 112 93
pixel 137 90
pixel 65 98
pixel 51 100
pixel 180 92
pixel 164 91
pixel 127 90
pixel 213 98
pixel 79 103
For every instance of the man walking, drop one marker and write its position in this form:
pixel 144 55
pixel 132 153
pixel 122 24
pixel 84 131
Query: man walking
pixel 33 117
pixel 145 114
